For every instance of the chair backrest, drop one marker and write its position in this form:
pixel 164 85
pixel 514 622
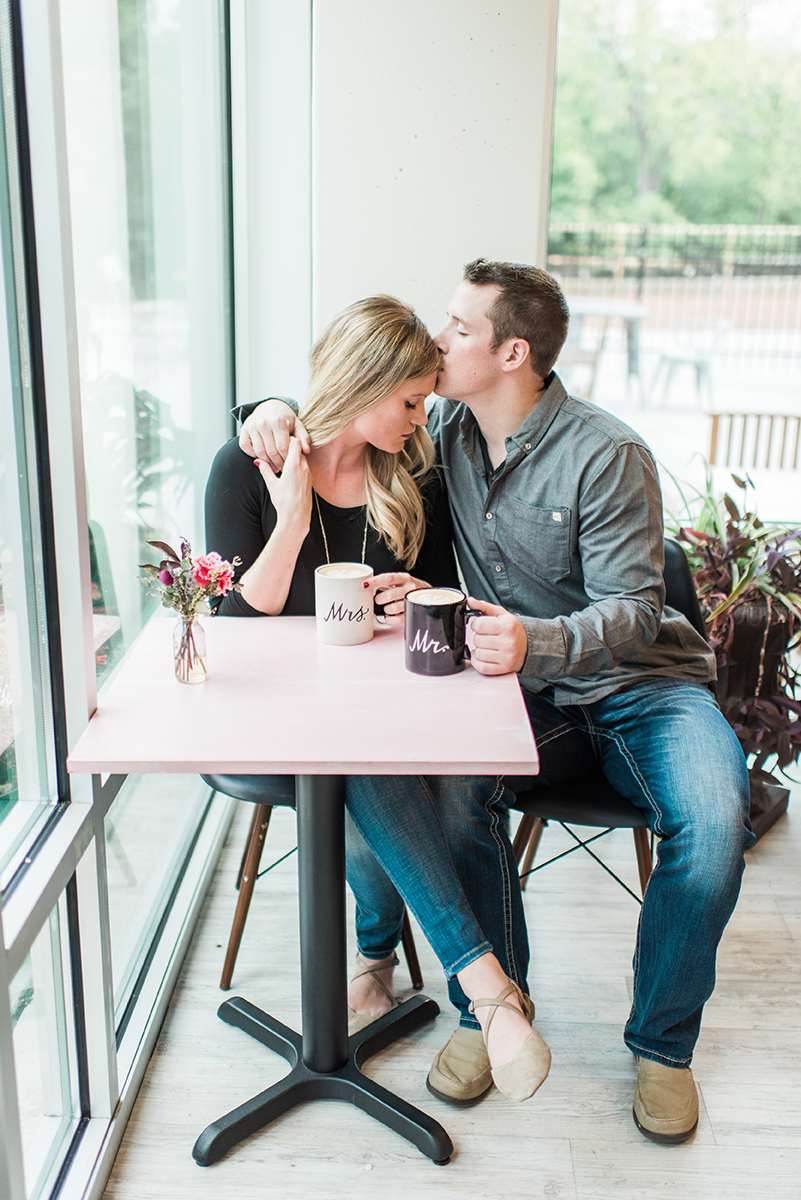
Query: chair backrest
pixel 755 440
pixel 680 590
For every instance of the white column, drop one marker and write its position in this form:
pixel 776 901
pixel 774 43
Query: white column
pixel 431 144
pixel 271 116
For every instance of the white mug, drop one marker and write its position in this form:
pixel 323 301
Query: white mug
pixel 343 607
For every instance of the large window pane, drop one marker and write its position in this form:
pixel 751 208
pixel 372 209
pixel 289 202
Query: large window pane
pixel 27 771
pixel 44 1052
pixel 145 112
pixel 148 834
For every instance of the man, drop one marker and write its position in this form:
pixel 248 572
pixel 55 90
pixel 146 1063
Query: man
pixel 558 529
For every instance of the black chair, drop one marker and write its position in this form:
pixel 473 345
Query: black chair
pixel 267 792
pixel 590 799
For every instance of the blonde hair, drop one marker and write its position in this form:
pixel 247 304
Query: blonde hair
pixel 365 353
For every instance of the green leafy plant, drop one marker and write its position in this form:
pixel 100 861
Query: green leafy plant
pixel 748 574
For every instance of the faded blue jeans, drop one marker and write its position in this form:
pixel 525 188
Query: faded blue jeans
pixel 405 835
pixel 665 745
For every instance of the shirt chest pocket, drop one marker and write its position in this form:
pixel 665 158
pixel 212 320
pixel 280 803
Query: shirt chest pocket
pixel 539 539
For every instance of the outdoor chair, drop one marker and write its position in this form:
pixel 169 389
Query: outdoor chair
pixel 590 800
pixel 572 356
pixel 693 344
pixel 753 441
pixel 765 447
pixel 267 792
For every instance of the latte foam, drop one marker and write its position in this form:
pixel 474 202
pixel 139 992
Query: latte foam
pixel 345 571
pixel 435 596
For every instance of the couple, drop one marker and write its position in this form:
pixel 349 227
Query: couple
pixel 557 524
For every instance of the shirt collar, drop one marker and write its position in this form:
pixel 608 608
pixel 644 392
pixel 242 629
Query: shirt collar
pixel 527 437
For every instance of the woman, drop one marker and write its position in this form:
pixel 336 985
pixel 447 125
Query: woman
pixel 368 492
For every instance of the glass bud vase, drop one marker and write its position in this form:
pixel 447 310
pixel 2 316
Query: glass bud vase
pixel 189 648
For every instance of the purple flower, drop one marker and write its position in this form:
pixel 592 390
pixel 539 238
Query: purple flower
pixel 166 578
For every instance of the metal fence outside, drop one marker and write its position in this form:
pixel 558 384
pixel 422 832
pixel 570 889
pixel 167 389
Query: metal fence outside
pixel 742 280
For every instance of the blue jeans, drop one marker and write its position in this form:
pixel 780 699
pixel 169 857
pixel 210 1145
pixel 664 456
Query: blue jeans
pixel 666 747
pixel 419 841
pixel 663 744
pixel 396 853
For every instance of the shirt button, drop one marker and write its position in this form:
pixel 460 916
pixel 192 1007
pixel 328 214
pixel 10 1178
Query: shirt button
pixel 489 516
pixel 499 568
pixel 528 446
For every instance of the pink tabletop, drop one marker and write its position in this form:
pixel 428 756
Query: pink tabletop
pixel 277 701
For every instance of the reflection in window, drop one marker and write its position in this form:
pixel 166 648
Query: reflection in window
pixel 145 123
pixel 27 763
pixel 142 868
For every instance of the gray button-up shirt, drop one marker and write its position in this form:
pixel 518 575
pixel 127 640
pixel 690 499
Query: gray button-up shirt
pixel 567 534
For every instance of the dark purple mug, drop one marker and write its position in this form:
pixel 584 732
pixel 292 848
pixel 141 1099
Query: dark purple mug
pixel 435 622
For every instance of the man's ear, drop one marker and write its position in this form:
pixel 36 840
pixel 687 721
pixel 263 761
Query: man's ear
pixel 515 353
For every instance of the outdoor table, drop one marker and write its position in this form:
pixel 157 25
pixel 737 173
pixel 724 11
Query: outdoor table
pixel 277 701
pixel 629 311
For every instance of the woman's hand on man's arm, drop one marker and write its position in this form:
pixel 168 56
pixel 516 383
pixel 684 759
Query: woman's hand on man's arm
pixel 267 431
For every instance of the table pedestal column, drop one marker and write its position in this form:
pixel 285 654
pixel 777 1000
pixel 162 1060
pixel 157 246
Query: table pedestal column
pixel 325 1062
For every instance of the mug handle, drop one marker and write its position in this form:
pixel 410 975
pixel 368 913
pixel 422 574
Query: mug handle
pixel 469 612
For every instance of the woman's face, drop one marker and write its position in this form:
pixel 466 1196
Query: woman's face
pixel 391 423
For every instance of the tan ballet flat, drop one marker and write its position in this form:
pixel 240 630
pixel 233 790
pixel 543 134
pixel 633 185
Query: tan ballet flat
pixel 519 1078
pixel 357 1021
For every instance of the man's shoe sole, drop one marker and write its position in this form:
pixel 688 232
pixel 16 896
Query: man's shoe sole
pixel 664 1139
pixel 452 1099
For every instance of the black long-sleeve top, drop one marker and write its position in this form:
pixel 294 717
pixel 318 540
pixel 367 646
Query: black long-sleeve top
pixel 240 519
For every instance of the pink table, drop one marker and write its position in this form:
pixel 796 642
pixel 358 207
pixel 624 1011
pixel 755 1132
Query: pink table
pixel 277 701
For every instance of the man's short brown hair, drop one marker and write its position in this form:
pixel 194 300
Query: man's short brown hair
pixel 531 306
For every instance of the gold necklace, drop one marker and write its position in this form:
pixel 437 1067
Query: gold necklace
pixel 325 539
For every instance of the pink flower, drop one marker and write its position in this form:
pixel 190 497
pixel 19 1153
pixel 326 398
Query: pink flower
pixel 225 579
pixel 206 568
pixel 213 573
pixel 166 578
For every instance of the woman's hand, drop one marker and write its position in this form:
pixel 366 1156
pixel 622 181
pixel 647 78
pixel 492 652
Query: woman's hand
pixel 291 492
pixel 267 433
pixel 390 590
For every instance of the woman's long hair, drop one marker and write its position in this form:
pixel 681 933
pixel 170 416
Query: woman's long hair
pixel 367 352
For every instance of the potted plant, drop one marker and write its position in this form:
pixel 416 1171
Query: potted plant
pixel 748 577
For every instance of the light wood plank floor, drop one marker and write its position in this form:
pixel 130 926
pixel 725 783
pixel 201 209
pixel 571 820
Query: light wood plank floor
pixel 575 1139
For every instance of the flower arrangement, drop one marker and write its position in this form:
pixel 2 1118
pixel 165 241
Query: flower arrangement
pixel 185 584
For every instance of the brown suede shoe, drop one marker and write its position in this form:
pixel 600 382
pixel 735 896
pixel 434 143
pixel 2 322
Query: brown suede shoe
pixel 461 1073
pixel 665 1102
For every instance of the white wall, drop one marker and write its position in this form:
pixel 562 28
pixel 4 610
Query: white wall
pixel 378 146
pixel 431 144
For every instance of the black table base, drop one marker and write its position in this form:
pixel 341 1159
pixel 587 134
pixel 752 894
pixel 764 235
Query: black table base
pixel 348 1083
pixel 325 1062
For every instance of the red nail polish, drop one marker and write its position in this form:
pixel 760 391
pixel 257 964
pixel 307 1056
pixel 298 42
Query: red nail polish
pixel 256 462
pixel 365 584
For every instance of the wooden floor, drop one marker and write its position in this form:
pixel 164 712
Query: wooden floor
pixel 575 1138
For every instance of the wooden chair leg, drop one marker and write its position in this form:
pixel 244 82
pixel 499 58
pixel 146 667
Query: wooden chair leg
pixel 410 950
pixel 531 850
pixel 645 862
pixel 255 821
pixel 522 834
pixel 247 880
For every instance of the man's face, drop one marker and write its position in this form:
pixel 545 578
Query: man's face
pixel 468 366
